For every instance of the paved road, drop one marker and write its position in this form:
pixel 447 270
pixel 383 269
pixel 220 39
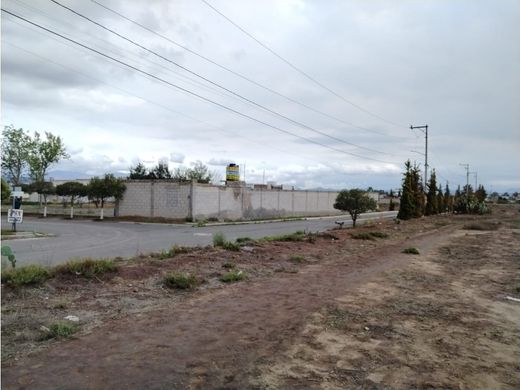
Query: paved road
pixel 80 238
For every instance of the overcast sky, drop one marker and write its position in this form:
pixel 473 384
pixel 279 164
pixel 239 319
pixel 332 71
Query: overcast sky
pixel 451 64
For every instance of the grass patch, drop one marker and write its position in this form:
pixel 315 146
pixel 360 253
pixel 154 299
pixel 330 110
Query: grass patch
pixel 245 240
pixel 219 239
pixel 233 276
pixel 378 234
pixel 62 330
pixel 231 246
pixel 362 236
pixel 481 226
pixel 87 268
pixel 174 251
pixel 181 281
pixel 296 236
pixel 229 265
pixel 8 233
pixel 411 251
pixel 297 258
pixel 25 276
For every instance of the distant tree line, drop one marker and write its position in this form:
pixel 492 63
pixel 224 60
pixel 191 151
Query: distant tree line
pixel 199 172
pixel 415 203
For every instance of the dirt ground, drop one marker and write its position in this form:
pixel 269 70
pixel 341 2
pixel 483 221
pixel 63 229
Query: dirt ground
pixel 330 312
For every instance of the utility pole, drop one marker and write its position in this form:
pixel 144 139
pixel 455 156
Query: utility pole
pixel 466 166
pixel 475 173
pixel 424 129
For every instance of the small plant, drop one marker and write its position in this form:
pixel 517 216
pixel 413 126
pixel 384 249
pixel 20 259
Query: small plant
pixel 362 236
pixel 25 276
pixel 228 265
pixel 296 236
pixel 174 251
pixel 219 239
pixel 297 258
pixel 201 223
pixel 7 252
pixel 245 240
pixel 182 281
pixel 87 268
pixel 231 246
pixel 233 276
pixel 62 330
pixel 411 250
pixel 378 234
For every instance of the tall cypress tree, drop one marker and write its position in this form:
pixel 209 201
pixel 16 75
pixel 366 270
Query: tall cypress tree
pixel 407 201
pixel 431 200
pixel 448 199
pixel 441 208
pixel 418 191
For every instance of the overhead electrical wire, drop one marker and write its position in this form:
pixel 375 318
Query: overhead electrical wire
pixel 294 67
pixel 242 76
pixel 186 78
pixel 193 93
pixel 218 128
pixel 294 122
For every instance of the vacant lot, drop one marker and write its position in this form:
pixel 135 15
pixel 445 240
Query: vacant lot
pixel 332 311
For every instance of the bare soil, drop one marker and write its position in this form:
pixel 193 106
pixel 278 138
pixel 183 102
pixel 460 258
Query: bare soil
pixel 330 312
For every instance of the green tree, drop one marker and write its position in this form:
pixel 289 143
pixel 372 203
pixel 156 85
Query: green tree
pixel 481 193
pixel 6 191
pixel 160 171
pixel 391 205
pixel 139 172
pixel 418 191
pixel 43 154
pixel 73 190
pixel 355 202
pixel 16 146
pixel 441 207
pixel 44 189
pixel 431 198
pixel 100 189
pixel 407 201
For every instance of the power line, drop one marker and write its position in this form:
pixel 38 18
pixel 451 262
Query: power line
pixel 205 58
pixel 191 92
pixel 42 58
pixel 298 69
pixel 297 123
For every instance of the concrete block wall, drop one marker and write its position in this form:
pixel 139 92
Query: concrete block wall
pixel 204 201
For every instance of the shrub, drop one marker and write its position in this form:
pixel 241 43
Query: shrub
pixel 245 240
pixel 219 239
pixel 174 251
pixel 378 234
pixel 87 268
pixel 233 276
pixel 24 276
pixel 62 330
pixel 362 236
pixel 201 223
pixel 297 258
pixel 296 236
pixel 182 281
pixel 231 246
pixel 411 250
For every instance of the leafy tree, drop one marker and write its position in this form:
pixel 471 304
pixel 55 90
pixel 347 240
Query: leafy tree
pixel 355 201
pixel 44 189
pixel 16 146
pixel 139 172
pixel 100 189
pixel 6 191
pixel 431 198
pixel 43 154
pixel 199 172
pixel 72 189
pixel 160 172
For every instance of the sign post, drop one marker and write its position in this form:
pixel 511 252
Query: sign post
pixel 15 215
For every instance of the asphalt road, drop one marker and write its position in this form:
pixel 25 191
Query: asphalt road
pixel 80 238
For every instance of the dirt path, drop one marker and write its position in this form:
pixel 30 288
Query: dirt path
pixel 214 340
